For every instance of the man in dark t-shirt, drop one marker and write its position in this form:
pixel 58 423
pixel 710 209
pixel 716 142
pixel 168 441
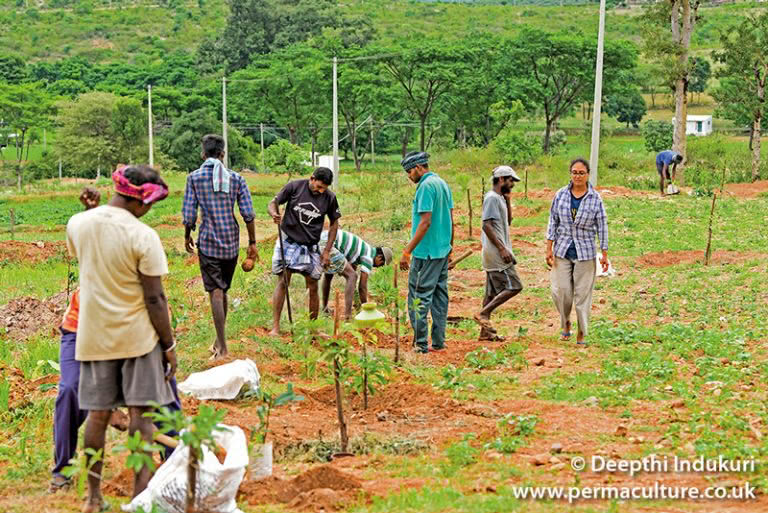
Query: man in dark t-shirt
pixel 307 204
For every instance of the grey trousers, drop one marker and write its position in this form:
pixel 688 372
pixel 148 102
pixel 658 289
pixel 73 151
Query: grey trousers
pixel 428 282
pixel 572 285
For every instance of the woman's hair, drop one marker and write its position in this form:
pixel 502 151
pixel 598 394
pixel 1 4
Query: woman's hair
pixel 578 160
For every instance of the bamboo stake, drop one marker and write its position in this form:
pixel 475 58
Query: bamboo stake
pixel 469 205
pixel 397 316
pixel 12 215
pixel 526 184
pixel 337 378
pixel 708 252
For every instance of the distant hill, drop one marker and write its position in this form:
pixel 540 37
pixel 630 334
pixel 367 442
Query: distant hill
pixel 110 31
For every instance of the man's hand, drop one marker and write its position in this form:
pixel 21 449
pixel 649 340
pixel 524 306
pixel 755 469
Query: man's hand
pixel 604 262
pixel 169 363
pixel 189 245
pixel 253 252
pixel 90 198
pixel 325 259
pixel 506 255
pixel 277 218
pixel 550 259
pixel 405 262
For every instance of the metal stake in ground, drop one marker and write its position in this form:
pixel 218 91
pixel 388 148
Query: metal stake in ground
pixel 285 276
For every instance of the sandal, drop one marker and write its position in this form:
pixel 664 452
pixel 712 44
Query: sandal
pixel 565 335
pixel 58 483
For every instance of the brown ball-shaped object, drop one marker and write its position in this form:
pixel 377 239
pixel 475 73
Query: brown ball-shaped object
pixel 247 265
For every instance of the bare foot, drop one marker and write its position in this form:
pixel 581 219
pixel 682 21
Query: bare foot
pixel 483 321
pixel 96 505
pixel 274 333
pixel 118 420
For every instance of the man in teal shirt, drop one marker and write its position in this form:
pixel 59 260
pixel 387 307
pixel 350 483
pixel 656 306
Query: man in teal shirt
pixel 430 246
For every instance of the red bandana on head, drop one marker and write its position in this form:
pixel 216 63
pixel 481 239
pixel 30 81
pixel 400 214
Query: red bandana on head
pixel 148 193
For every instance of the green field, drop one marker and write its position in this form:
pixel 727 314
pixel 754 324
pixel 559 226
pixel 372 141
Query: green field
pixel 666 330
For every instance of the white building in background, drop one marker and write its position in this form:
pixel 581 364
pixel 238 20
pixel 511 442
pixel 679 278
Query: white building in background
pixel 698 125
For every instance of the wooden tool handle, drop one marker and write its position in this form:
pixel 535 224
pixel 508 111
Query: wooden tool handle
pixel 454 263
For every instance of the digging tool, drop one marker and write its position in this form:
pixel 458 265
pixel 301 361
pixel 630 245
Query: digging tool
pixel 285 276
pixel 119 421
pixel 454 263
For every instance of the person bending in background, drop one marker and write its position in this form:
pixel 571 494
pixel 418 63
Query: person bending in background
pixel 664 160
pixel 349 252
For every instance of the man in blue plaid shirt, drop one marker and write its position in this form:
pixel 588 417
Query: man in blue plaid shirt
pixel 215 190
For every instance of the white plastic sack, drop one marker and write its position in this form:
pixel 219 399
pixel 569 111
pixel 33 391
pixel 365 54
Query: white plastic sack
pixel 261 461
pixel 222 382
pixel 599 268
pixel 217 483
pixel 673 189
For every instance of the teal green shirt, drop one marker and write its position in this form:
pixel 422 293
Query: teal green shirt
pixel 433 195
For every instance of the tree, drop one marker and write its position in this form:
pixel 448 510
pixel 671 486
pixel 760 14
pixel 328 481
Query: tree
pixel 741 94
pixel 286 83
pixel 670 49
pixel 23 107
pixel 99 130
pixel 627 107
pixel 701 72
pixel 259 27
pixel 426 69
pixel 181 141
pixel 12 69
pixel 657 135
pixel 555 72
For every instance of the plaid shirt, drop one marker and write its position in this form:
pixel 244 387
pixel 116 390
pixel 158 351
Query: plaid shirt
pixel 590 221
pixel 219 232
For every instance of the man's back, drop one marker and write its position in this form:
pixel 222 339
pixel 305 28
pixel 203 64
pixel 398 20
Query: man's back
pixel 666 157
pixel 433 195
pixel 113 247
pixel 219 231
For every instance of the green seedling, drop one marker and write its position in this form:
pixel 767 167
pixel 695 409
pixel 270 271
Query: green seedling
pixel 140 452
pixel 80 468
pixel 269 401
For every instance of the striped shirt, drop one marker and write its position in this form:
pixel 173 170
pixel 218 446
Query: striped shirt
pixel 590 222
pixel 219 232
pixel 355 250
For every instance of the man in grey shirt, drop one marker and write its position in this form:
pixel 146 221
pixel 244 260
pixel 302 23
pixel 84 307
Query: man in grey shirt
pixel 502 282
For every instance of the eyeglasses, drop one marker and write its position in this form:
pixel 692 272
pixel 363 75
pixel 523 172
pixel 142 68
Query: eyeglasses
pixel 579 173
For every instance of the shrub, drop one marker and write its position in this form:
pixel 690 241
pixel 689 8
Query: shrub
pixel 657 135
pixel 290 157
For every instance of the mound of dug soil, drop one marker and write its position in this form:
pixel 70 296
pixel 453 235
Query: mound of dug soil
pixel 323 488
pixel 25 316
pixel 668 258
pixel 29 252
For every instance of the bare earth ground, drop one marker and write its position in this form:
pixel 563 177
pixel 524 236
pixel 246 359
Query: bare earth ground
pixel 420 412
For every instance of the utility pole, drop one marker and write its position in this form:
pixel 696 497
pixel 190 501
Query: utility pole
pixel 149 126
pixel 59 168
pixel 597 106
pixel 261 130
pixel 335 128
pixel 224 119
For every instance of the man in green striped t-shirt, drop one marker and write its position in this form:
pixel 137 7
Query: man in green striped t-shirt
pixel 350 251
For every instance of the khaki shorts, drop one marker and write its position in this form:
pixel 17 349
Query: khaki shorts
pixel 109 384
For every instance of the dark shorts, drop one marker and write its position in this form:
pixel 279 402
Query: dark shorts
pixel 109 384
pixel 660 169
pixel 497 282
pixel 217 273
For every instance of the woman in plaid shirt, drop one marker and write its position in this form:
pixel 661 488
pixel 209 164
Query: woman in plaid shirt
pixel 577 215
